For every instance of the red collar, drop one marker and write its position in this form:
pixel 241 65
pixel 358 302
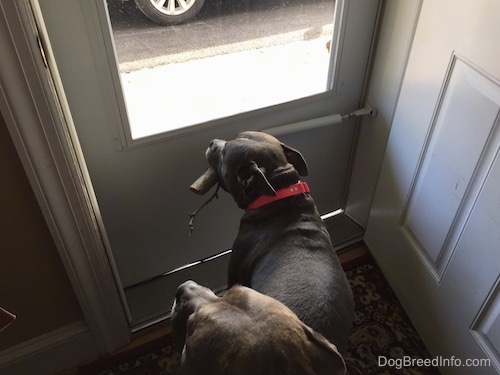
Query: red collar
pixel 295 189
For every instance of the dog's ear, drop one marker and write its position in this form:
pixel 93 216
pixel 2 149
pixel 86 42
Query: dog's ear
pixel 326 358
pixel 251 176
pixel 295 158
pixel 179 330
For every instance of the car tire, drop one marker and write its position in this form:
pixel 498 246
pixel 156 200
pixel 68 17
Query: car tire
pixel 170 12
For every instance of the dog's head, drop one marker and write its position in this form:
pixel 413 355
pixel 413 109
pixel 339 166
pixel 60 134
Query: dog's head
pixel 246 332
pixel 254 164
pixel 189 297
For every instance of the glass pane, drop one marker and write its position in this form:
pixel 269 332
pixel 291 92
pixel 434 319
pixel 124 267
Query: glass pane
pixel 217 58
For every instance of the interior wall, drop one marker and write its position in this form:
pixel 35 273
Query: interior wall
pixel 33 283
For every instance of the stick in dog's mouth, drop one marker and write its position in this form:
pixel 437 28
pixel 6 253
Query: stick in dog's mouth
pixel 205 182
pixel 202 185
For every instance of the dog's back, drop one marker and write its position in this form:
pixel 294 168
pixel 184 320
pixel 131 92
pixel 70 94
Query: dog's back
pixel 285 252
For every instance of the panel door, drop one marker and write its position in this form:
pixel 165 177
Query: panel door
pixel 434 224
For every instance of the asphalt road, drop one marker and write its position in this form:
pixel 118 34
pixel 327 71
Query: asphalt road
pixel 221 27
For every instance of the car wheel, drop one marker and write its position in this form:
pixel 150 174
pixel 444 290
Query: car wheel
pixel 170 12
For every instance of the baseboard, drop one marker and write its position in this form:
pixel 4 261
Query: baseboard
pixel 50 353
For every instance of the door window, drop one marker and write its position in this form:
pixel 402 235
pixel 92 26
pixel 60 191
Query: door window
pixel 183 63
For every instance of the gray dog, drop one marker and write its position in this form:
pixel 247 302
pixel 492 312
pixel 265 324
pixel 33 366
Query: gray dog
pixel 283 248
pixel 246 332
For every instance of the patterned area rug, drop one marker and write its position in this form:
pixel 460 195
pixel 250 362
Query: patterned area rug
pixel 382 336
pixel 381 339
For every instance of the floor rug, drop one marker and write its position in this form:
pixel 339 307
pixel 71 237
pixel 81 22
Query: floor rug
pixel 382 340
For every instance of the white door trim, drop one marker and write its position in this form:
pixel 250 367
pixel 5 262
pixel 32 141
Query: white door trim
pixel 52 161
pixel 50 353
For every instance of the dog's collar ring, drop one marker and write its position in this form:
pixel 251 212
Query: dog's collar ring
pixel 295 189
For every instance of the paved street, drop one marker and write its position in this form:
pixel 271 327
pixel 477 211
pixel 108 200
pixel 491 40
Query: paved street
pixel 220 28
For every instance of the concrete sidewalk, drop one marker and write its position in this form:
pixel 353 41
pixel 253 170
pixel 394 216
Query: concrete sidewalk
pixel 185 92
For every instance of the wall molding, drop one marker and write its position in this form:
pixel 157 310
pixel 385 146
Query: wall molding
pixel 42 134
pixel 51 352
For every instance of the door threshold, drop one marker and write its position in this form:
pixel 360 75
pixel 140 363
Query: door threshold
pixel 343 230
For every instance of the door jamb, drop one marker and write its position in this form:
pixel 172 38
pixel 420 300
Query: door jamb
pixel 51 156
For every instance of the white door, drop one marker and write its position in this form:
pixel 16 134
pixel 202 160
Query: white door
pixel 142 185
pixel 435 222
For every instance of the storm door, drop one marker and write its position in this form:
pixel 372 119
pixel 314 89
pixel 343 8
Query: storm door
pixel 142 158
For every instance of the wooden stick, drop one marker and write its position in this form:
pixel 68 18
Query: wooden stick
pixel 192 215
pixel 205 182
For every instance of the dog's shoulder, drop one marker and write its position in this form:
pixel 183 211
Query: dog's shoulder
pixel 283 333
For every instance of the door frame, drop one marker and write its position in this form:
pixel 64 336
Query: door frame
pixel 40 124
pixel 42 134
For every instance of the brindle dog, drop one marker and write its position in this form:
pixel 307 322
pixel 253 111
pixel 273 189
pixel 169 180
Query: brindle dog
pixel 246 333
